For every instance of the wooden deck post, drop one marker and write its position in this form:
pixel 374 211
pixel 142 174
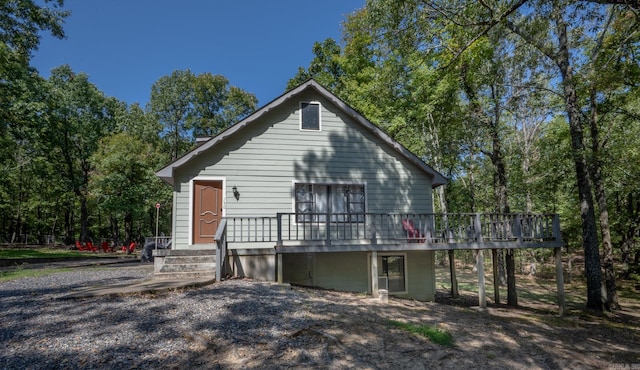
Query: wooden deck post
pixel 560 280
pixel 374 274
pixel 482 300
pixel 496 275
pixel 452 273
pixel 279 268
pixel 279 222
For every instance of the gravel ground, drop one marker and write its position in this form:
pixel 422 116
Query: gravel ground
pixel 248 324
pixel 39 330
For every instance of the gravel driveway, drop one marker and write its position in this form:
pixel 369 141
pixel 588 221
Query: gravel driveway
pixel 39 330
pixel 248 324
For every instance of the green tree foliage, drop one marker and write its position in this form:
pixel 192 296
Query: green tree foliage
pixel 123 182
pixel 78 117
pixel 170 103
pixel 326 67
pixel 189 106
pixel 21 23
pixel 216 105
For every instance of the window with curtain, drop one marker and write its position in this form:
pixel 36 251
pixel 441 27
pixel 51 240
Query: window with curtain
pixel 343 202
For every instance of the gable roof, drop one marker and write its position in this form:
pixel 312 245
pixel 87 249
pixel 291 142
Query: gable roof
pixel 166 173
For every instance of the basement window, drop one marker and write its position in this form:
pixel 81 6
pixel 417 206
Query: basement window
pixel 310 116
pixel 392 273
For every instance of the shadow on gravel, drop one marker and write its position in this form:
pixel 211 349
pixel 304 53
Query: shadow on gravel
pixel 247 324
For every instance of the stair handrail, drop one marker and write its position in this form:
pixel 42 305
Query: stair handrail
pixel 221 248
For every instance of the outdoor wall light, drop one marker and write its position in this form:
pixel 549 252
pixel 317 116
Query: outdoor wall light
pixel 236 193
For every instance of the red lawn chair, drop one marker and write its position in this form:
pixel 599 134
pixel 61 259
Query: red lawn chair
pixel 106 248
pixel 130 248
pixel 91 247
pixel 81 246
pixel 413 235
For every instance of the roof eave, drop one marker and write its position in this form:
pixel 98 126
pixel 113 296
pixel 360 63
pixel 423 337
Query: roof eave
pixel 167 172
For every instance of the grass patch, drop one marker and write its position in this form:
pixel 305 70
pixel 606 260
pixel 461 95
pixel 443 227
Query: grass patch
pixel 432 333
pixel 20 273
pixel 44 253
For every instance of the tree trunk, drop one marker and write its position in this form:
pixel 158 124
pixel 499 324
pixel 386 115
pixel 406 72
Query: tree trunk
pixel 84 219
pixel 589 231
pixel 452 257
pixel 452 271
pixel 502 202
pixel 115 232
pixel 512 296
pixel 601 198
pixel 629 232
pixel 128 228
pixel 68 226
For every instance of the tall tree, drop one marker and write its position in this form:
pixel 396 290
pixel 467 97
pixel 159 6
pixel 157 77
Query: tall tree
pixel 189 106
pixel 123 179
pixel 216 105
pixel 21 23
pixel 171 103
pixel 78 116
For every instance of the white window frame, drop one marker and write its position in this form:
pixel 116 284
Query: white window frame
pixel 406 271
pixel 319 115
pixel 351 183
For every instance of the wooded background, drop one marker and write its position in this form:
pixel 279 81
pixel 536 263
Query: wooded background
pixel 525 106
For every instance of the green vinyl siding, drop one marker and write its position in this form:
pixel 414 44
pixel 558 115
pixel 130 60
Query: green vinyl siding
pixel 264 159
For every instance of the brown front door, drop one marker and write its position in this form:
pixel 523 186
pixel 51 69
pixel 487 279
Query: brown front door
pixel 207 210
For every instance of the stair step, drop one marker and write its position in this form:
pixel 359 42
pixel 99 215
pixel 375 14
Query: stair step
pixel 185 275
pixel 189 267
pixel 173 260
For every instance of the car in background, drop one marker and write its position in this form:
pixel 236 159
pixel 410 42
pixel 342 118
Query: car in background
pixel 164 242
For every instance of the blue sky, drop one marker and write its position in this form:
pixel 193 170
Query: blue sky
pixel 125 46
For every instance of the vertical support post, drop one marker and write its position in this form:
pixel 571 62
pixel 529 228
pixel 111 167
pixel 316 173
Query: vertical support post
pixel 157 222
pixel 218 264
pixel 452 273
pixel 517 228
pixel 482 300
pixel 279 267
pixel 496 275
pixel 279 220
pixel 328 227
pixel 374 274
pixel 560 281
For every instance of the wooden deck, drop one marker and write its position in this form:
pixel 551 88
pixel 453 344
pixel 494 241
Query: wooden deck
pixel 376 232
pixel 322 232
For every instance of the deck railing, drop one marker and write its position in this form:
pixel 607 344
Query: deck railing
pixel 393 228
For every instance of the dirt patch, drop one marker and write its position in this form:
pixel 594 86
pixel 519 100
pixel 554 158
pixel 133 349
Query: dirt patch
pixel 354 331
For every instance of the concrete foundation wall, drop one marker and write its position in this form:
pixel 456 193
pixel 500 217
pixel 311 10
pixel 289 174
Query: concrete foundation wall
pixel 421 277
pixel 341 271
pixel 344 271
pixel 257 264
